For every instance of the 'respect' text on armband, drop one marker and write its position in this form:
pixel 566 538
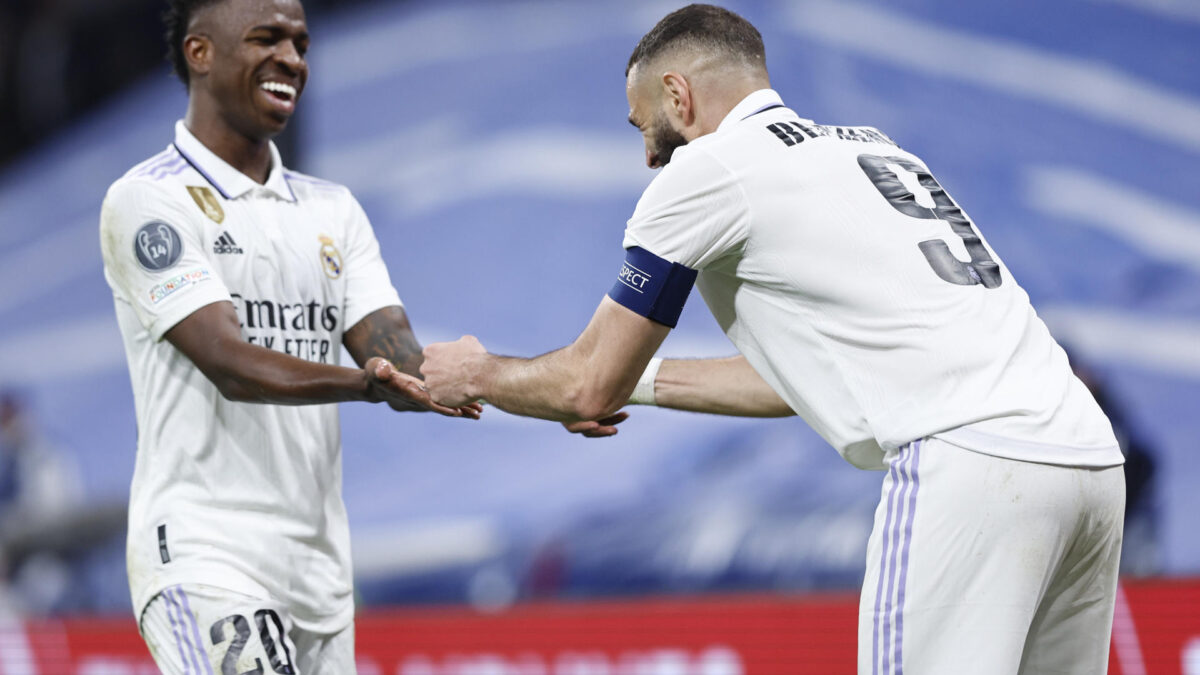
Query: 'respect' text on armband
pixel 653 287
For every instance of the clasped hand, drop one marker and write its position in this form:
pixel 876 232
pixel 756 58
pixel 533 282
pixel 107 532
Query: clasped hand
pixel 450 369
pixel 405 392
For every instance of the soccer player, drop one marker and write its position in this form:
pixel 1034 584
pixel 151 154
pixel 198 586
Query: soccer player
pixel 236 284
pixel 862 298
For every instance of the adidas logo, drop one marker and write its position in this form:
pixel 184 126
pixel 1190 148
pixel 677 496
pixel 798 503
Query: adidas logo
pixel 226 244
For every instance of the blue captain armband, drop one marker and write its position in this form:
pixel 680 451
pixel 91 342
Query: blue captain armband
pixel 653 287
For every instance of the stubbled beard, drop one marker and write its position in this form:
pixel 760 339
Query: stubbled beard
pixel 666 139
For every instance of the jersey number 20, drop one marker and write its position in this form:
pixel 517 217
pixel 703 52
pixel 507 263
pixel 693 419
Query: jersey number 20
pixel 277 654
pixel 981 268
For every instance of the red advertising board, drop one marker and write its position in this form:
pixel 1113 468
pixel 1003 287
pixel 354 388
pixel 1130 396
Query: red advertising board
pixel 1156 631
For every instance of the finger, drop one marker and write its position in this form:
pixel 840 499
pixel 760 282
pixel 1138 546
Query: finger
pixel 424 399
pixel 412 389
pixel 375 367
pixel 591 429
pixel 448 412
pixel 601 432
pixel 469 412
pixel 613 419
pixel 434 406
pixel 580 427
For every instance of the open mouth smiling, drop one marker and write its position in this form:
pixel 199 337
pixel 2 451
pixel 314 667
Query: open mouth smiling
pixel 279 90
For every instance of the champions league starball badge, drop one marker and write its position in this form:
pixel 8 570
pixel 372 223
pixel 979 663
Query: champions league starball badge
pixel 331 259
pixel 157 246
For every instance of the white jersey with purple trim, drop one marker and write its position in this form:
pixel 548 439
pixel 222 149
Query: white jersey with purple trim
pixel 862 294
pixel 241 496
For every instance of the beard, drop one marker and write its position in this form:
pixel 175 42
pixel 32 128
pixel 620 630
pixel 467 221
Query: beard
pixel 666 139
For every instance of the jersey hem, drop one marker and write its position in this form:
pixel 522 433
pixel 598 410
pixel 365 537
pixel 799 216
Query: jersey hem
pixel 328 623
pixel 1096 457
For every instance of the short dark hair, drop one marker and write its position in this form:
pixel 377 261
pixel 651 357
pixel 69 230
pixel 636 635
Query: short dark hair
pixel 705 26
pixel 176 19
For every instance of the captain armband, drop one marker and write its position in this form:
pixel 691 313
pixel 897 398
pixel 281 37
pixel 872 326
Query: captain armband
pixel 653 287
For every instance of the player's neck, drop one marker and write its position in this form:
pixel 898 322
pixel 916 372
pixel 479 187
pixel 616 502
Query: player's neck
pixel 713 102
pixel 251 156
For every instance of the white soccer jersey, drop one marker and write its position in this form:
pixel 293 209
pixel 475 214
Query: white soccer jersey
pixel 861 293
pixel 241 496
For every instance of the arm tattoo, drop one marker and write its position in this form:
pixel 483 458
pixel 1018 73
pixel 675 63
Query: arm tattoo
pixel 385 332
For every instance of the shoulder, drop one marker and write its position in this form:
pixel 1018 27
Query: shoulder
pixel 311 187
pixel 137 192
pixel 694 170
pixel 169 162
pixel 146 196
pixel 334 201
pixel 153 178
pixel 692 165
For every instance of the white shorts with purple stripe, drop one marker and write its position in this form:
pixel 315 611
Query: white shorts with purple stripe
pixel 984 565
pixel 193 629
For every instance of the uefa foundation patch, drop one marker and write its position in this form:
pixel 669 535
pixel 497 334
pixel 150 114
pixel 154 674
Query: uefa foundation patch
pixel 176 283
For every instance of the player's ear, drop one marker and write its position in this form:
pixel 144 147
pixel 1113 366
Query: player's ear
pixel 198 50
pixel 678 95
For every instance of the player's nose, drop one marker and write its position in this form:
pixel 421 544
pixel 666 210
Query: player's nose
pixel 290 57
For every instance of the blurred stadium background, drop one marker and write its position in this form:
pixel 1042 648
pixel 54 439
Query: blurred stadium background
pixel 487 140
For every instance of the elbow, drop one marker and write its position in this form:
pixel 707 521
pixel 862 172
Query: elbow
pixel 595 388
pixel 591 402
pixel 233 390
pixel 596 411
pixel 234 386
pixel 235 376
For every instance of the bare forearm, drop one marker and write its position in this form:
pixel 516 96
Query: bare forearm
pixel 257 375
pixel 587 380
pixel 386 333
pixel 211 338
pixel 728 386
pixel 559 386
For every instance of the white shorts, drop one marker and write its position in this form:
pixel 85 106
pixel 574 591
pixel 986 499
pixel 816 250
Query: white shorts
pixel 193 629
pixel 984 565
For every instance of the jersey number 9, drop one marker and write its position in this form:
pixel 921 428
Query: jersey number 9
pixel 981 268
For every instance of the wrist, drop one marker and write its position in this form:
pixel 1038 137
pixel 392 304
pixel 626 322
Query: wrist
pixel 643 391
pixel 366 387
pixel 371 388
pixel 483 372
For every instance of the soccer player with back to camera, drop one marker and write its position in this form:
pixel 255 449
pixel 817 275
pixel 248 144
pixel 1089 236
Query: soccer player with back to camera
pixel 862 298
pixel 236 284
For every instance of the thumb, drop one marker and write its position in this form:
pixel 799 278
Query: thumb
pixel 383 369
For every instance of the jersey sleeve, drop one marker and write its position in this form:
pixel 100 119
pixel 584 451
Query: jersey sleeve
pixel 154 256
pixel 368 284
pixel 693 214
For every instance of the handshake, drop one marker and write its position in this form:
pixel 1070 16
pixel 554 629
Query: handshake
pixel 454 374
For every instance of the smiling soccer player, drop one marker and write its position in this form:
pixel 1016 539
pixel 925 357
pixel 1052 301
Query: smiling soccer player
pixel 236 282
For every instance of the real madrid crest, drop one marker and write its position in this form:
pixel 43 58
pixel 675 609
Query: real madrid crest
pixel 331 260
pixel 207 202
